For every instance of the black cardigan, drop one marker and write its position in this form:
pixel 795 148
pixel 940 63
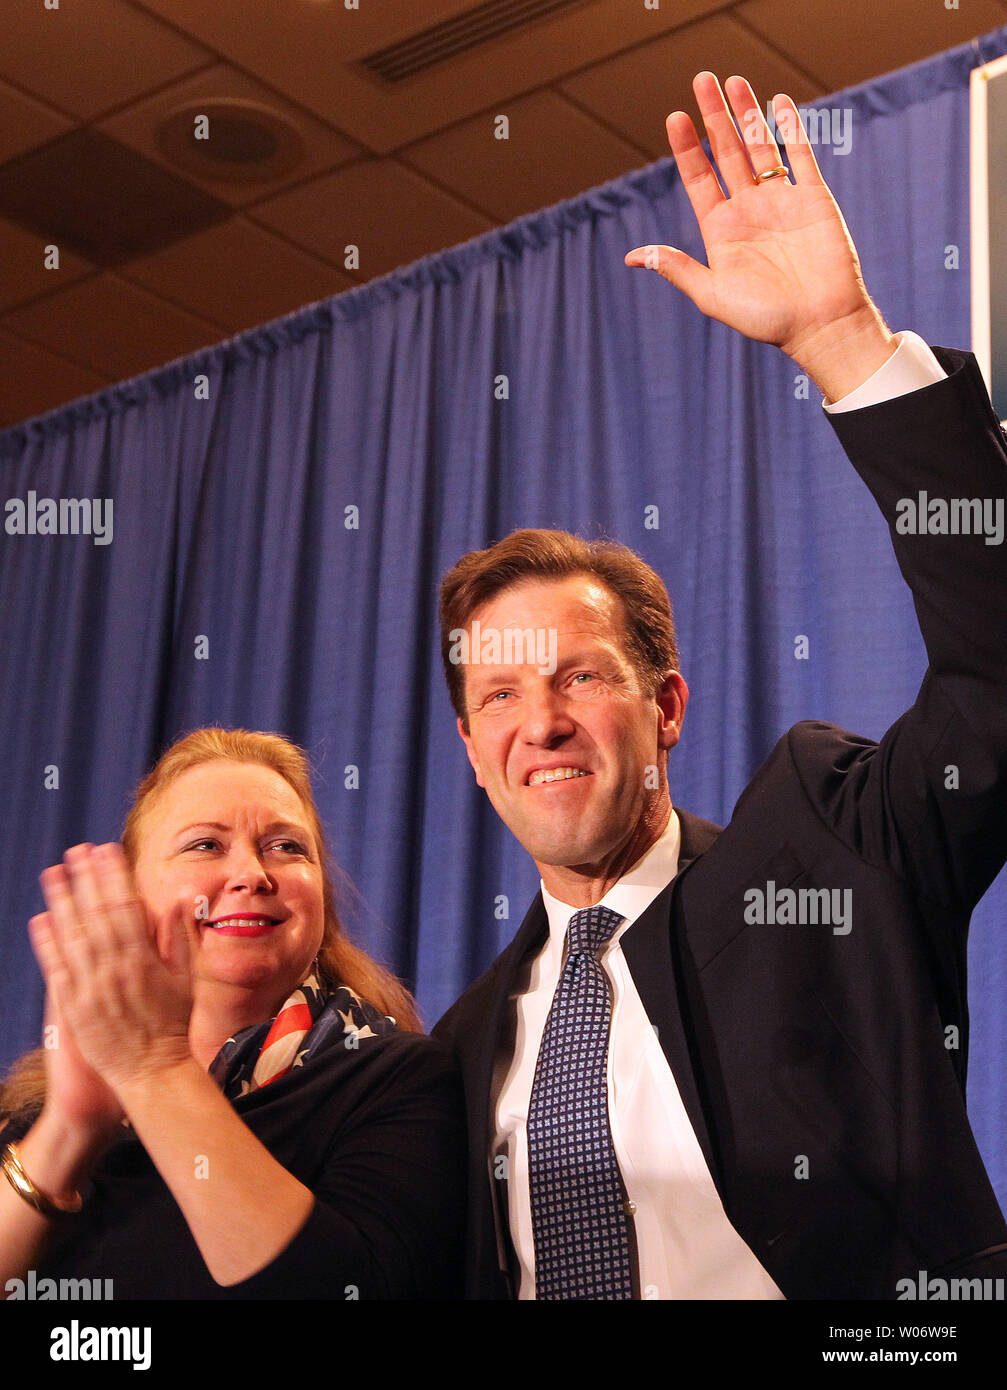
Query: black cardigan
pixel 377 1134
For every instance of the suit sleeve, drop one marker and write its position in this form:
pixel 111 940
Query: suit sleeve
pixel 930 801
pixel 444 1029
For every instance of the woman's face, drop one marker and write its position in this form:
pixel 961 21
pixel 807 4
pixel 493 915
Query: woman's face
pixel 227 848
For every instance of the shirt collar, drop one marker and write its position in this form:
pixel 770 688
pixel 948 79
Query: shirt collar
pixel 633 893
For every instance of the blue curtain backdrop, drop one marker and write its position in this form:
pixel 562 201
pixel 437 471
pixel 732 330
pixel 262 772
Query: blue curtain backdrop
pixel 231 524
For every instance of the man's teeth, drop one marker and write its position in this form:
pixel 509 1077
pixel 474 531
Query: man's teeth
pixel 555 774
pixel 243 922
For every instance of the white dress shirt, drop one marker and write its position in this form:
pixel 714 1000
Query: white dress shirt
pixel 911 366
pixel 687 1247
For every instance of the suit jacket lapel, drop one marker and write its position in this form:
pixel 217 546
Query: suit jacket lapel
pixel 487 1195
pixel 651 947
pixel 530 938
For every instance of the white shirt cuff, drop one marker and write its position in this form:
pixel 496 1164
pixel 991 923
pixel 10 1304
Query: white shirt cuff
pixel 911 366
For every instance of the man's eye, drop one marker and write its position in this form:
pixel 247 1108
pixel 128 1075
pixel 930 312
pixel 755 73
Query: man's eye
pixel 499 697
pixel 584 676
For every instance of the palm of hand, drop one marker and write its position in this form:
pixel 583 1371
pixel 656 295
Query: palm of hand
pixel 147 1024
pixel 120 992
pixel 780 258
pixel 73 1087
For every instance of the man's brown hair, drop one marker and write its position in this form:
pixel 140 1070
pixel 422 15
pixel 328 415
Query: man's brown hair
pixel 537 554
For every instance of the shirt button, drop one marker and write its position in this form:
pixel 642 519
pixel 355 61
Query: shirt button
pixel 629 1208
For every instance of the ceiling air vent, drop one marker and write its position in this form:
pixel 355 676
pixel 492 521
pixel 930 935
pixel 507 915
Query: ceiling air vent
pixel 244 141
pixel 453 37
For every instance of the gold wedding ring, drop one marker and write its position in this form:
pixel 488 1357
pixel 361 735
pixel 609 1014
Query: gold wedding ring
pixel 779 172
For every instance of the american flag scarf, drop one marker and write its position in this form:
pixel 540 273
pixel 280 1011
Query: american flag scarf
pixel 312 1020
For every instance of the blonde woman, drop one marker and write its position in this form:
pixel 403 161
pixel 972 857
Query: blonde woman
pixel 239 1102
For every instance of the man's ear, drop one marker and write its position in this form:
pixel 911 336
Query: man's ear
pixel 672 698
pixel 470 750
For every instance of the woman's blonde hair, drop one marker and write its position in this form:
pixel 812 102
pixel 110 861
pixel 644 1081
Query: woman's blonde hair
pixel 340 962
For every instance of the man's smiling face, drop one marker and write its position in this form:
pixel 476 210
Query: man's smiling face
pixel 564 755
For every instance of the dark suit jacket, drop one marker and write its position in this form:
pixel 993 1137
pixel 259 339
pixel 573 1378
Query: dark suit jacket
pixel 790 1041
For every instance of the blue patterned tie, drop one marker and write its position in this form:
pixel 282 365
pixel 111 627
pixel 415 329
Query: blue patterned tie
pixel 582 1247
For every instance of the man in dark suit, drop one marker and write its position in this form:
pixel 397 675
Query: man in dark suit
pixel 731 1063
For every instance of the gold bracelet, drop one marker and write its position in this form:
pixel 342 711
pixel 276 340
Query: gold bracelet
pixel 34 1196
